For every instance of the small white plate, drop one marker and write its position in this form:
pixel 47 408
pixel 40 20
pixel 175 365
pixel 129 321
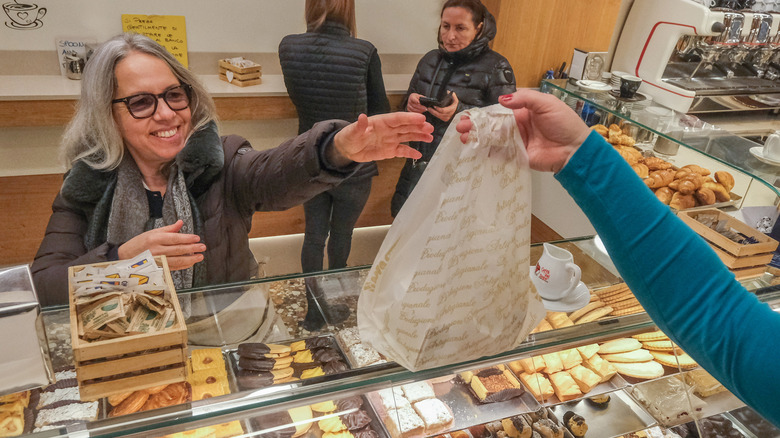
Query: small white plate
pixel 578 298
pixel 596 86
pixel 758 152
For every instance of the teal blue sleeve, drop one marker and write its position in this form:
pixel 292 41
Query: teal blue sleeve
pixel 679 280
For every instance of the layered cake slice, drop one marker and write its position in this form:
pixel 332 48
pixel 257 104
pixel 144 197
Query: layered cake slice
pixel 494 385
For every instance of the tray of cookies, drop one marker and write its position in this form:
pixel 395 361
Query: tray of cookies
pixel 539 423
pixel 449 403
pixel 348 417
pixel 259 365
pixel 606 415
pixel 645 356
pixel 566 375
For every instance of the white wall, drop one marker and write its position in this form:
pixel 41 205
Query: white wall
pixel 397 26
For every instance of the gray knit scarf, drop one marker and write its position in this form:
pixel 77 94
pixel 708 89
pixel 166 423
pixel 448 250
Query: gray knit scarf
pixel 129 215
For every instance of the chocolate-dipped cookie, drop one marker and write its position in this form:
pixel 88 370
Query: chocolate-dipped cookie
pixel 354 402
pixel 325 354
pixel 256 364
pixel 335 367
pixel 356 420
pixel 254 379
pixel 271 421
pixel 258 350
pixel 365 432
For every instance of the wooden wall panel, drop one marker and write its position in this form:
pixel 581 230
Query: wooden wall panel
pixel 536 35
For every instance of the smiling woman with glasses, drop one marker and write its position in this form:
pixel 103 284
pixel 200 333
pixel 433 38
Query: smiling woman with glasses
pixel 144 105
pixel 147 169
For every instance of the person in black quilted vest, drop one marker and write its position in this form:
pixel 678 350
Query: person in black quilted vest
pixel 464 69
pixel 330 74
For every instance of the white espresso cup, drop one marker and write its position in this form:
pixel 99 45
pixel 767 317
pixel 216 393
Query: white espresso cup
pixel 772 147
pixel 556 274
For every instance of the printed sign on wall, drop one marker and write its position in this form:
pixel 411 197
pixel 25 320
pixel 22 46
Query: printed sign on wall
pixel 168 30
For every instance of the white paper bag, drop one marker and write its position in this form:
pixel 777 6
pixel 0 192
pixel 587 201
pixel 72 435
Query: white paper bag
pixel 451 280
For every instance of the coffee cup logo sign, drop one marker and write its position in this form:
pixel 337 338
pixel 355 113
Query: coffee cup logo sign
pixel 542 273
pixel 23 16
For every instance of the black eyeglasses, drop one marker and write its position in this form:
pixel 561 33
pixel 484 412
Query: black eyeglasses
pixel 144 105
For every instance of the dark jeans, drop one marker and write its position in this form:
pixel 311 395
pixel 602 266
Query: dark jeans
pixel 334 212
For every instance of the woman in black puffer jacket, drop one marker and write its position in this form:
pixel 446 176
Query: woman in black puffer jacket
pixel 463 65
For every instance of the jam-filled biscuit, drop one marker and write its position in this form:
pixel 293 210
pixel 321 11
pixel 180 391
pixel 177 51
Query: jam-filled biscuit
pixel 206 358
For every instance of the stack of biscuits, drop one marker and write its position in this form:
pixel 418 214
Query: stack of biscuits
pixel 263 365
pixel 567 375
pixel 665 351
pixel 630 359
pixel 619 298
pixel 207 374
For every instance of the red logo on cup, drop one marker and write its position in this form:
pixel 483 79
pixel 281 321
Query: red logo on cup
pixel 542 273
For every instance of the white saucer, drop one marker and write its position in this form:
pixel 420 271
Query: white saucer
pixel 758 152
pixel 580 294
pixel 595 86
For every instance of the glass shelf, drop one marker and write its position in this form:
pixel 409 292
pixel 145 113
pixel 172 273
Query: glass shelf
pixel 597 271
pixel 700 142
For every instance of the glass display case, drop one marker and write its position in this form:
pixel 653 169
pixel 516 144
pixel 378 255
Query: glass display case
pixel 678 138
pixel 338 389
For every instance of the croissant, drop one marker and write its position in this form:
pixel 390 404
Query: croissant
pixel 641 170
pixel 725 179
pixel 659 178
pixel 681 202
pixel 664 194
pixel 627 155
pixel 614 137
pixel 131 404
pixel 626 140
pixel 115 399
pixel 682 173
pixel 614 127
pixel 684 186
pixel 655 163
pixel 705 196
pixel 601 129
pixel 698 169
pixel 721 194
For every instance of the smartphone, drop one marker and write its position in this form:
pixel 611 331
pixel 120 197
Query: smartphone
pixel 430 101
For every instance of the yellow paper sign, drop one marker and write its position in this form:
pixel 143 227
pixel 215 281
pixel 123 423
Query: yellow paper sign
pixel 168 30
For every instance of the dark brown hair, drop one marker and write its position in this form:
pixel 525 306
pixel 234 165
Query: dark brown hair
pixel 476 8
pixel 340 11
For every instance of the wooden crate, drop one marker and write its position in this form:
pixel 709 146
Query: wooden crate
pixel 130 363
pixel 241 83
pixel 240 70
pixel 743 259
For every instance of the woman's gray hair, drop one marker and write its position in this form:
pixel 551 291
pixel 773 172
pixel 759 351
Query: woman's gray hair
pixel 93 135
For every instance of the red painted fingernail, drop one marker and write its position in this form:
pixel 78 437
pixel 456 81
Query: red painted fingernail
pixel 505 97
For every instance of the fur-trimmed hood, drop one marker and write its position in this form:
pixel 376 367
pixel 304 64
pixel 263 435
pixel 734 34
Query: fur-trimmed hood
pixel 201 160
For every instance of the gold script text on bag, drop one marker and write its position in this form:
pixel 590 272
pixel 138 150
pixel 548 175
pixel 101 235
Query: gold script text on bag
pixel 451 280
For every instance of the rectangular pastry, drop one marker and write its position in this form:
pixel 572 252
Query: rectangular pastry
pixel 565 387
pixel 392 398
pixel 587 351
pixel 529 365
pixel 540 387
pixel 552 362
pixel 72 411
pixel 417 391
pixel 601 367
pixel 405 421
pixel 585 378
pixel 435 414
pixel 492 385
pixel 570 358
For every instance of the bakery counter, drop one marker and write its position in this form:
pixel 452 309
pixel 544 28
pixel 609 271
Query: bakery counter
pixel 254 369
pixel 49 100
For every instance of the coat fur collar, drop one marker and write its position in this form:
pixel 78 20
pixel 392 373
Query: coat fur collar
pixel 201 161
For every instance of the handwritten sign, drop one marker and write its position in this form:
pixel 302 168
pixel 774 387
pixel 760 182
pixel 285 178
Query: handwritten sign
pixel 168 30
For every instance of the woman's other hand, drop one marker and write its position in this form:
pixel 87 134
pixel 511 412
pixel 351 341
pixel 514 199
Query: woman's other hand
pixel 413 104
pixel 379 137
pixel 551 131
pixel 445 113
pixel 182 250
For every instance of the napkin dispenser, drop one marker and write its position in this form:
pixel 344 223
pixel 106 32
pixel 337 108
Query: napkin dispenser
pixel 25 362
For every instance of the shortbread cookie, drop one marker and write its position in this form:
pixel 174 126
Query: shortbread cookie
pixel 683 360
pixel 611 290
pixel 641 370
pixel 595 314
pixel 661 345
pixel 657 335
pixel 577 314
pixel 628 311
pixel 559 319
pixel 620 345
pixel 639 355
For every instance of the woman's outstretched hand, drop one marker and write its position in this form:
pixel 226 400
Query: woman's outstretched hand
pixel 379 137
pixel 552 132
